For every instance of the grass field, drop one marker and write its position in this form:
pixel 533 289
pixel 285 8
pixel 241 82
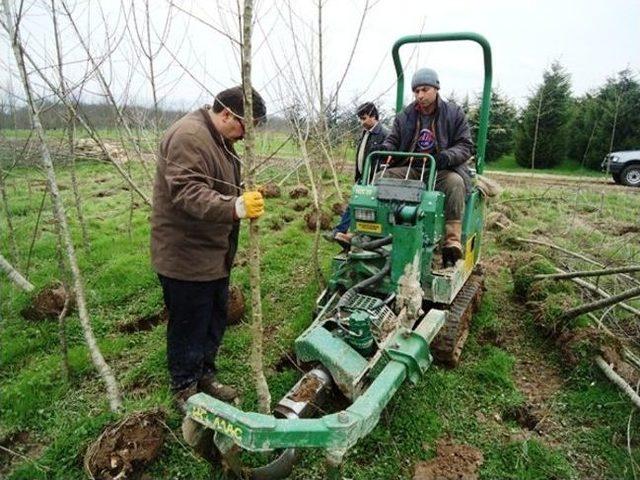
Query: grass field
pixel 507 163
pixel 46 422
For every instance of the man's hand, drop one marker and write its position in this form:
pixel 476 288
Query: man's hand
pixel 250 205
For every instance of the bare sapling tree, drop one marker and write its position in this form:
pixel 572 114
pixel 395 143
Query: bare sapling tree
pixel 71 132
pixel 125 130
pixel 616 110
pixel 262 388
pixel 11 236
pixel 4 172
pixel 536 129
pixel 86 125
pixel 113 391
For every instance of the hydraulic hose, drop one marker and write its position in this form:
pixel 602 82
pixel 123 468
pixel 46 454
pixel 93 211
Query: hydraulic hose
pixel 349 294
pixel 374 244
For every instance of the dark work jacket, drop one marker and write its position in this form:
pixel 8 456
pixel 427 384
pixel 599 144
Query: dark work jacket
pixel 453 136
pixel 374 142
pixel 194 234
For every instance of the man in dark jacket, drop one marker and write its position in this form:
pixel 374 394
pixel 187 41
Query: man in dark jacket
pixel 431 125
pixel 371 138
pixel 197 205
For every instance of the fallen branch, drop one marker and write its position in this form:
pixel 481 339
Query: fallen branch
pixel 598 304
pixel 15 276
pixel 602 293
pixel 617 380
pixel 573 254
pixel 587 273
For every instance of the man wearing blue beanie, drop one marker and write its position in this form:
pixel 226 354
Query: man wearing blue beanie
pixel 431 125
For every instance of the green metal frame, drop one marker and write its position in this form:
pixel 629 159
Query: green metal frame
pixel 431 179
pixel 481 141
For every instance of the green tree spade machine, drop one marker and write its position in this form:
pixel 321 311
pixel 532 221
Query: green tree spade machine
pixel 388 310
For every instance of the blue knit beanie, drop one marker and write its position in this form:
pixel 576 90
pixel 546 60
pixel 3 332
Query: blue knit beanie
pixel 425 76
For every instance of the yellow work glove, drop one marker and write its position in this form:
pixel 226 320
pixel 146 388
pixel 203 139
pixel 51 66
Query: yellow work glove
pixel 250 205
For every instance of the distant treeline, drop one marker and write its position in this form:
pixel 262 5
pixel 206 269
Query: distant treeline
pixel 554 125
pixel 100 116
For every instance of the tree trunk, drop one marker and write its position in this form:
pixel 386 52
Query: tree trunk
pixel 262 388
pixel 14 275
pixel 113 392
pixel 618 381
pixel 598 304
pixel 535 132
pixel 71 126
pixel 11 235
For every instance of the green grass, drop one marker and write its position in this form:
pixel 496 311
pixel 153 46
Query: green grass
pixel 63 417
pixel 507 163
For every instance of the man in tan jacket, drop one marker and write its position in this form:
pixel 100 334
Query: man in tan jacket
pixel 197 206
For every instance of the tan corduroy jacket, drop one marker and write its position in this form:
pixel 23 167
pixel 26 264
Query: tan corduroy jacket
pixel 193 232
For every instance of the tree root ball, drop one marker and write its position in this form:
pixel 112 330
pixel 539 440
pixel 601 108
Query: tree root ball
pixel 548 313
pixel 523 270
pixel 301 205
pixel 339 208
pixel 48 303
pixel 123 450
pixel 299 191
pixel 235 307
pixel 269 190
pixel 311 219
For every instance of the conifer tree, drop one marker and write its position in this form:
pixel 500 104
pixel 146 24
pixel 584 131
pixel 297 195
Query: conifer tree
pixel 541 135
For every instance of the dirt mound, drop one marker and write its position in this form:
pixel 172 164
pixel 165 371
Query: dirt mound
pixel 628 228
pixel 124 449
pixel 311 219
pixel 307 389
pixel 146 323
pixel 301 205
pixel 269 190
pixel 48 303
pixel 299 191
pixel 453 462
pixel 338 208
pixel 235 308
pixel 524 415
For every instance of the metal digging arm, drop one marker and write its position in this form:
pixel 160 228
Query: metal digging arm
pixel 409 357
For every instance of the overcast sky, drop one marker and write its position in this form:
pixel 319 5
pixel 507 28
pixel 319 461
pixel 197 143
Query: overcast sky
pixel 593 40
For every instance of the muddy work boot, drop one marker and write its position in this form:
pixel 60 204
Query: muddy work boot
pixel 180 397
pixel 208 385
pixel 452 247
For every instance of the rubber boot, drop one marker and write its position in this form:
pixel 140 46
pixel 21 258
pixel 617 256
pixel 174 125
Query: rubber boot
pixel 452 247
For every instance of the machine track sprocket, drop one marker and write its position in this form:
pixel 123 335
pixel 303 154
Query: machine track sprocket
pixel 447 345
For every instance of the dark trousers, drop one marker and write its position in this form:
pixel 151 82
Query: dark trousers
pixel 345 221
pixel 197 321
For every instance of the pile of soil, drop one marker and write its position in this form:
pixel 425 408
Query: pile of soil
pixel 124 449
pixel 453 462
pixel 269 190
pixel 301 205
pixel 339 208
pixel 299 191
pixel 307 389
pixel 48 303
pixel 235 308
pixel 311 218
